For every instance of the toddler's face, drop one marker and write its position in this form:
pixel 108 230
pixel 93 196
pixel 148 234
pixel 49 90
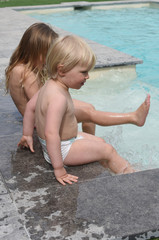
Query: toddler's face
pixel 76 77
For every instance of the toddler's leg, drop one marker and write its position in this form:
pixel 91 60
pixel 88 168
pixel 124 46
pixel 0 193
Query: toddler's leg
pixel 92 149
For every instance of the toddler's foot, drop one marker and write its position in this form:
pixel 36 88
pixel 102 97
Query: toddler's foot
pixel 104 163
pixel 142 112
pixel 127 169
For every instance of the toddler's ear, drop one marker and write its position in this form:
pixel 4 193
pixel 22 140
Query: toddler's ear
pixel 60 70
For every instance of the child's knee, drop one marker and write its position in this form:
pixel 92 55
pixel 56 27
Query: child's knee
pixel 87 112
pixel 89 107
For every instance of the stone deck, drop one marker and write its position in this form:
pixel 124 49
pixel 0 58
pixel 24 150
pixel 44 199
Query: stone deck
pixel 35 206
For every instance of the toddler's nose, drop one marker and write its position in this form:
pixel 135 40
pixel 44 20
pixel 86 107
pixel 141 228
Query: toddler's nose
pixel 87 76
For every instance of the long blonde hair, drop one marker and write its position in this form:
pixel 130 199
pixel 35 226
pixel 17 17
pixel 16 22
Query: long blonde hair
pixel 33 45
pixel 69 51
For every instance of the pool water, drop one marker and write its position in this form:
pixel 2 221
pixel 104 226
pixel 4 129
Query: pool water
pixel 135 32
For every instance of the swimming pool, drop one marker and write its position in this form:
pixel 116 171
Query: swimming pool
pixel 133 31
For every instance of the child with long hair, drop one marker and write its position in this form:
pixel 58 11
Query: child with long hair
pixel 69 61
pixel 26 74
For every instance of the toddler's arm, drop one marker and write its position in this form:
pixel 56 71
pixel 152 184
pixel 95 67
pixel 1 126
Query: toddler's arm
pixel 55 113
pixel 28 124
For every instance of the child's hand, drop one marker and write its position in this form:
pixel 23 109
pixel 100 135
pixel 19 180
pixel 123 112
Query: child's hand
pixel 66 178
pixel 26 141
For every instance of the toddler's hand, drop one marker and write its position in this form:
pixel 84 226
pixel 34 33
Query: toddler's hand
pixel 68 178
pixel 26 141
pixel 63 177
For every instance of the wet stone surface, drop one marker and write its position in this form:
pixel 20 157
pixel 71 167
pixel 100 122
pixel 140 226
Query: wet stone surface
pixel 99 206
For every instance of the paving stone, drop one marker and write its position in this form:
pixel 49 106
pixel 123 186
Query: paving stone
pixel 10 222
pixel 11 122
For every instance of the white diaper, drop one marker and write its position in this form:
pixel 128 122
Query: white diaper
pixel 65 147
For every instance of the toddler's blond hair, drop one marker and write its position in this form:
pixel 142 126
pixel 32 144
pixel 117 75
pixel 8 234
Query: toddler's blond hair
pixel 69 51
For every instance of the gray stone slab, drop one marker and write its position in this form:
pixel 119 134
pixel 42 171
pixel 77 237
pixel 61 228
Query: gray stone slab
pixel 11 227
pixel 7 105
pixel 2 74
pixel 99 205
pixel 8 149
pixel 15 234
pixel 103 208
pixel 3 189
pixel 31 171
pixel 124 205
pixel 11 122
pixel 35 191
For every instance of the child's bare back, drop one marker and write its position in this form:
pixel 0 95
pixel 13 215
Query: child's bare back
pixel 25 72
pixel 22 91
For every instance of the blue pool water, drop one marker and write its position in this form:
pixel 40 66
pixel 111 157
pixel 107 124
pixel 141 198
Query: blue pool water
pixel 135 32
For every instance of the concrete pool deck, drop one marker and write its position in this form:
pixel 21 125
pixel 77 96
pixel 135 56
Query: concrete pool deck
pixel 34 206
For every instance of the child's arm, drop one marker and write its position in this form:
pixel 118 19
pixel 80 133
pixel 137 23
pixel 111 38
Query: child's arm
pixel 55 113
pixel 28 124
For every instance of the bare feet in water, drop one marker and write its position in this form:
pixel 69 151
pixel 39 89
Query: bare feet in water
pixel 127 168
pixel 141 112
